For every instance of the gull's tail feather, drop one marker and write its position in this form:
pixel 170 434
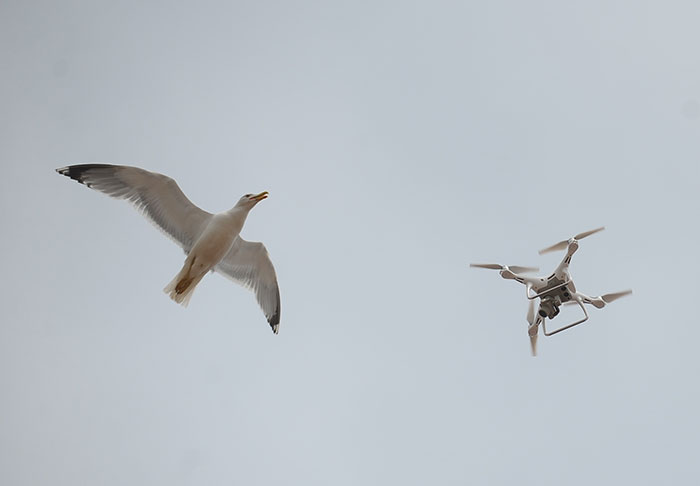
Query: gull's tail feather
pixel 181 288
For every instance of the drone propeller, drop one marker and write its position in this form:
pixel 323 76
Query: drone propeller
pixel 531 321
pixel 613 296
pixel 498 266
pixel 533 344
pixel 564 243
pixel 531 313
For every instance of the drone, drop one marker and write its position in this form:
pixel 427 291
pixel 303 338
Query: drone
pixel 553 291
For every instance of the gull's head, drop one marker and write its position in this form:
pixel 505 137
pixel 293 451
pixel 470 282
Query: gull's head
pixel 250 200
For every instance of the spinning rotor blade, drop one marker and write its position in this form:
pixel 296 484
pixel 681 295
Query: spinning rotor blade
pixel 556 247
pixel 533 344
pixel 612 297
pixel 491 266
pixel 564 243
pixel 531 322
pixel 498 266
pixel 581 236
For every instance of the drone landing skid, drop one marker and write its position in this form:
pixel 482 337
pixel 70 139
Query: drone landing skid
pixel 580 321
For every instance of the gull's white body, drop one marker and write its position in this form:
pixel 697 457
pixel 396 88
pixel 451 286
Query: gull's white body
pixel 209 249
pixel 212 242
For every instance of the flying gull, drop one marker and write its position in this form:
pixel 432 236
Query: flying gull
pixel 211 241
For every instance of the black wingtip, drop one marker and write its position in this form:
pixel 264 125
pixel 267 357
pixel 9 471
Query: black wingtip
pixel 274 321
pixel 76 172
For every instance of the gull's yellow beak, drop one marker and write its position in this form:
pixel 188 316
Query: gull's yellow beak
pixel 261 196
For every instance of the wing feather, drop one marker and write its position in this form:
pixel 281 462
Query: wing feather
pixel 157 196
pixel 248 264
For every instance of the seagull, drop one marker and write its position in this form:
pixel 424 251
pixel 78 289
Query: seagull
pixel 211 242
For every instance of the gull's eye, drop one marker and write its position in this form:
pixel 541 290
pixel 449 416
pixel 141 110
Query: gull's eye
pixel 248 195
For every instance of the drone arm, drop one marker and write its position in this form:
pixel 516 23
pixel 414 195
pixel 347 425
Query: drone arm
pixel 529 282
pixel 563 267
pixel 596 302
pixel 530 296
pixel 581 298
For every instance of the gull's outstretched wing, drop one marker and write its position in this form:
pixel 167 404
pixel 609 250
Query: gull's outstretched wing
pixel 248 263
pixel 157 196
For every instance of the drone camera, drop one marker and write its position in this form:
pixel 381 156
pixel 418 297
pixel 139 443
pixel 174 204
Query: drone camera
pixel 548 308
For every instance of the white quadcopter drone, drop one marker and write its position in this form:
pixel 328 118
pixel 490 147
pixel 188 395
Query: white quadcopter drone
pixel 554 290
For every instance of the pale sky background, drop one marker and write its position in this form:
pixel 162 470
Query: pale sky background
pixel 399 142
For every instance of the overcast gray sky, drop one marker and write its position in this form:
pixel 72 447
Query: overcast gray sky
pixel 399 142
